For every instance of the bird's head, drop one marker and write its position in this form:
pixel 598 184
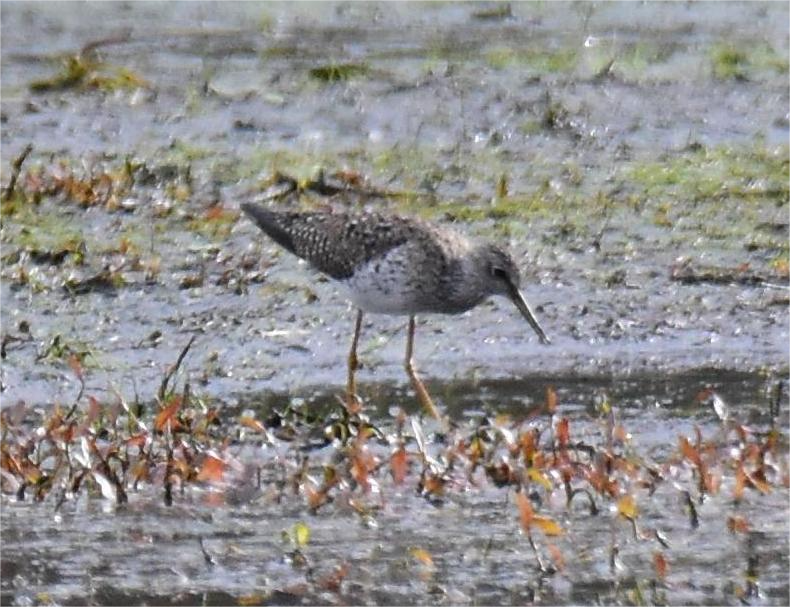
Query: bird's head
pixel 502 277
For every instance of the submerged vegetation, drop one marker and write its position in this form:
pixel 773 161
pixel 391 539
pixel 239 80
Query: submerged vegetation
pixel 638 170
pixel 84 72
pixel 742 62
pixel 720 174
pixel 338 71
pixel 556 473
pixel 682 193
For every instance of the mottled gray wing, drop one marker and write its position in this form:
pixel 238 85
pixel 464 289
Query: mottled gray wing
pixel 334 243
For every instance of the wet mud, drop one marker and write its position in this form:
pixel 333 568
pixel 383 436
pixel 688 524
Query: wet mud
pixel 634 158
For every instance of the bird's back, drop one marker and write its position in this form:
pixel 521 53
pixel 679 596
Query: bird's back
pixel 339 243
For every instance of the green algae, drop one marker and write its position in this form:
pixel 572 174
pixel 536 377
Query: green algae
pixel 263 162
pixel 338 72
pixel 684 190
pixel 681 191
pixel 184 152
pixel 745 62
pixel 82 72
pixel 729 62
pixel 751 173
pixel 540 60
pixel 33 230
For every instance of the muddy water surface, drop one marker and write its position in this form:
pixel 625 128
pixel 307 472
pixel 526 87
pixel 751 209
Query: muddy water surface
pixel 616 148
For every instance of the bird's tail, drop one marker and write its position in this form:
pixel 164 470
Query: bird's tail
pixel 271 222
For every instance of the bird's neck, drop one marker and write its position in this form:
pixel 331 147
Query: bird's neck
pixel 467 284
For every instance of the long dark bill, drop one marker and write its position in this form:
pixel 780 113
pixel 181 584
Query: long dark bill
pixel 527 313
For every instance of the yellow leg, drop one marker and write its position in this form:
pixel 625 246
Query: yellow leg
pixel 352 400
pixel 419 387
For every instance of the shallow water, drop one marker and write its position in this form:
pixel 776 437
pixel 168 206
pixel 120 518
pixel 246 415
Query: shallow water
pixel 144 552
pixel 450 102
pixel 601 281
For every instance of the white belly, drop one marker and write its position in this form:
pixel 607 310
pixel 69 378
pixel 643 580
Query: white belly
pixel 386 285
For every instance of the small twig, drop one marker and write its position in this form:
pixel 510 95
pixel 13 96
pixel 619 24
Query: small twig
pixel 53 344
pixel 186 395
pixel 206 554
pixel 174 369
pixel 107 470
pixel 635 528
pixel 16 168
pixel 10 339
pixel 752 569
pixel 593 506
pixel 169 468
pixel 776 402
pixel 288 185
pixel 541 564
pixel 77 400
pixel 605 71
pixel 692 510
pixel 119 38
pixel 614 552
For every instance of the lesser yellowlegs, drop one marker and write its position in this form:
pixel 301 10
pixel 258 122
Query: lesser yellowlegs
pixel 397 265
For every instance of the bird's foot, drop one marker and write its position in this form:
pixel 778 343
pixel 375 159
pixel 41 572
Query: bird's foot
pixel 425 399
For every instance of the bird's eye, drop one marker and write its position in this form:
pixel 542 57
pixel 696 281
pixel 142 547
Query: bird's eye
pixel 499 273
